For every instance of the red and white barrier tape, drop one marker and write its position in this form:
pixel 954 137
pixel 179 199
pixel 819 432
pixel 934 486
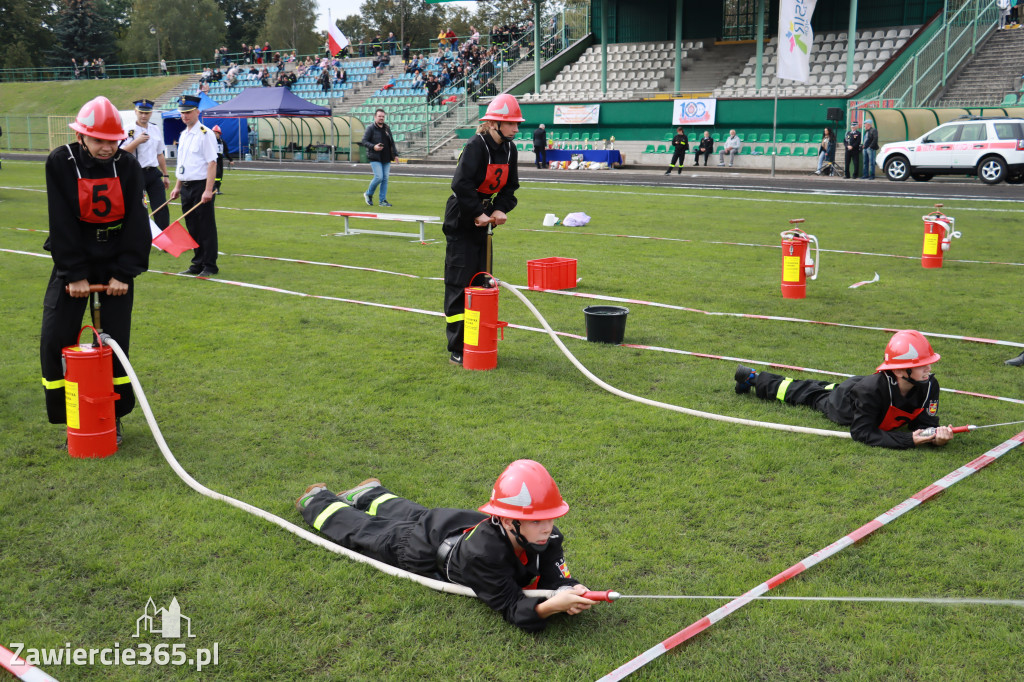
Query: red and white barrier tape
pixel 17 666
pixel 903 507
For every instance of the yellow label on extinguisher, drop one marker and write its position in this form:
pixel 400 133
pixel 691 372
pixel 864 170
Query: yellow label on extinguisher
pixel 791 267
pixel 931 244
pixel 71 404
pixel 471 334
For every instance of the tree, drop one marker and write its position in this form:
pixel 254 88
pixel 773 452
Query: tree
pixel 291 25
pixel 84 30
pixel 26 32
pixel 245 21
pixel 184 29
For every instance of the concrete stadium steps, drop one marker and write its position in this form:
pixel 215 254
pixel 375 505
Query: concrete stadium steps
pixel 718 62
pixel 993 72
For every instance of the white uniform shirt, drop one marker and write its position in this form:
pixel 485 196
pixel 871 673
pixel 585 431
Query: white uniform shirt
pixel 147 152
pixel 196 149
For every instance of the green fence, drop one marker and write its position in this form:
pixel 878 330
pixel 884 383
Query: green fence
pixel 140 70
pixel 955 41
pixel 27 133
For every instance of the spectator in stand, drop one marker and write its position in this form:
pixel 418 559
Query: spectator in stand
pixel 706 146
pixel 324 80
pixel 342 77
pixel 731 147
pixel 1003 6
pixel 870 145
pixel 407 55
pixel 392 43
pixel 163 67
pixel 245 54
pixel 257 54
pixel 204 87
pixel 74 68
pixel 853 154
pixel 827 149
pixel 453 40
pixel 377 45
pixel 417 81
pixel 442 40
pixel 293 57
pixel 433 88
pixel 540 146
pixel 475 37
pixel 266 48
pixel 264 77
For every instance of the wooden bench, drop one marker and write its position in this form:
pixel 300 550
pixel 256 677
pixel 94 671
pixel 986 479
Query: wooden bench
pixel 397 217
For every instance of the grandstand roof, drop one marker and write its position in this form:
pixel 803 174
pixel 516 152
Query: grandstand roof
pixel 257 102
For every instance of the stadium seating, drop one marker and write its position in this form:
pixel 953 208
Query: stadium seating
pixel 827 77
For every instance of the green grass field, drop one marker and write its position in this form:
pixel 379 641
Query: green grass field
pixel 260 393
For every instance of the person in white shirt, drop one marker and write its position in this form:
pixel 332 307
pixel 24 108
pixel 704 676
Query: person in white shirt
pixel 196 173
pixel 146 141
pixel 731 147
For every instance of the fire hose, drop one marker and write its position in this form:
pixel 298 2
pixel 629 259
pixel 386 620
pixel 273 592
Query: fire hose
pixel 140 395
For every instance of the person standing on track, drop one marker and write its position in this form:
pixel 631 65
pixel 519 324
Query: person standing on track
pixel 513 545
pixel 483 192
pixel 99 234
pixel 902 391
pixel 146 141
pixel 680 145
pixel 381 151
pixel 196 174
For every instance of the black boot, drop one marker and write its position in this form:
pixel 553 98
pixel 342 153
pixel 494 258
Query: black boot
pixel 745 378
pixel 1016 362
pixel 669 171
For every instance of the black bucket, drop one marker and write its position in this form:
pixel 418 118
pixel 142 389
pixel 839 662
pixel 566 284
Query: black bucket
pixel 606 323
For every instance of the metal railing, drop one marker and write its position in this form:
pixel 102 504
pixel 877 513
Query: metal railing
pixel 139 70
pixel 929 69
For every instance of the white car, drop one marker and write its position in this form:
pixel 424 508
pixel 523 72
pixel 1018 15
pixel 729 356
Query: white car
pixel 991 148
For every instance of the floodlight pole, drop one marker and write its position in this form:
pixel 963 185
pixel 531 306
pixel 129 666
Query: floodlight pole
pixel 536 46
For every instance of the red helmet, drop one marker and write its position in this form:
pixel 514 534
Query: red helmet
pixel 525 490
pixel 216 129
pixel 99 118
pixel 908 349
pixel 505 108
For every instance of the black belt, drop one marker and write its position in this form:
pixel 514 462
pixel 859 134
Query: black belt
pixel 105 234
pixel 189 183
pixel 444 552
pixel 151 168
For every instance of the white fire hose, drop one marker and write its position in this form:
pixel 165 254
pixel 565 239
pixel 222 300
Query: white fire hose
pixel 654 403
pixel 438 585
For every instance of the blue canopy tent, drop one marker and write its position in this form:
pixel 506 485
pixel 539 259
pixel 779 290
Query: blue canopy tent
pixel 234 133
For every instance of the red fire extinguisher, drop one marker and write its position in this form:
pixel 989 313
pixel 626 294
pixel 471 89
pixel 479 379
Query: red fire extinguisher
pixel 89 398
pixel 480 336
pixel 797 263
pixel 938 230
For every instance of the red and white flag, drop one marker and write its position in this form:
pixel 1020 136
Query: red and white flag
pixel 336 40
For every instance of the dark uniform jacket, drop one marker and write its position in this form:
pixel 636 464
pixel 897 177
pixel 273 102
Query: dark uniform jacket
pixel 853 140
pixel 375 135
pixel 863 402
pixel 707 144
pixel 467 201
pixel 484 560
pixel 540 139
pixel 76 253
pixel 681 143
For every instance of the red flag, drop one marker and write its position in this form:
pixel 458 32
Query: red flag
pixel 175 240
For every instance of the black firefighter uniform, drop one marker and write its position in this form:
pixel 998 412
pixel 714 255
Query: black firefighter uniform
pixel 476 552
pixel 98 229
pixel 485 181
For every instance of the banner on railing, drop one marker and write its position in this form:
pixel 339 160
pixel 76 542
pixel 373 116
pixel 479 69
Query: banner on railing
pixel 577 114
pixel 795 38
pixel 693 112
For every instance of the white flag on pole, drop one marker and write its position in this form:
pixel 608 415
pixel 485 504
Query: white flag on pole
pixel 335 38
pixel 795 39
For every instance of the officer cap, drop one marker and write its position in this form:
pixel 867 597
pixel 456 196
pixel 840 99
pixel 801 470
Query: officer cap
pixel 143 104
pixel 188 102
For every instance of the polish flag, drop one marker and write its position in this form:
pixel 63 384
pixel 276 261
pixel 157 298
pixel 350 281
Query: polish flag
pixel 336 40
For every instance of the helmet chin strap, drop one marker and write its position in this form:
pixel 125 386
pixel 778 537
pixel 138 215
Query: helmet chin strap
pixel 507 138
pixel 916 382
pixel 523 542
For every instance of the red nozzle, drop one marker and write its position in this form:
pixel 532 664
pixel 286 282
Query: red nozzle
pixel 606 595
pixel 964 429
pixel 796 220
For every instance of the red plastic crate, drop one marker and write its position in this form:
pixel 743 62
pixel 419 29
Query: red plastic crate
pixel 551 273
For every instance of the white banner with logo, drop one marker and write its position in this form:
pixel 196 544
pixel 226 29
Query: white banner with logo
pixel 795 39
pixel 693 112
pixel 577 114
